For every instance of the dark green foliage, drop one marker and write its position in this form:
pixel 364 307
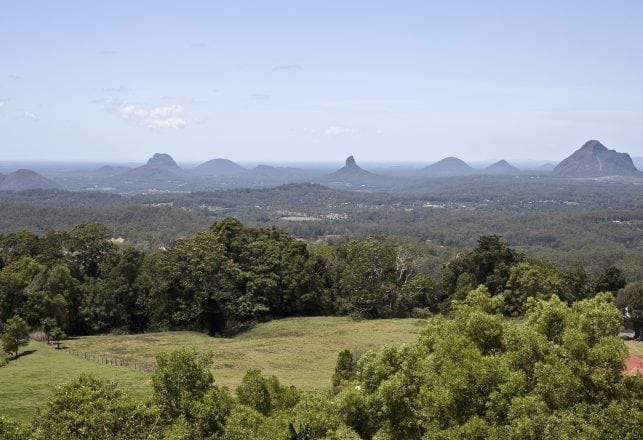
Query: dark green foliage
pixel 630 301
pixel 15 334
pixel 577 284
pixel 110 302
pixel 610 280
pixel 489 264
pixel 304 433
pixel 231 275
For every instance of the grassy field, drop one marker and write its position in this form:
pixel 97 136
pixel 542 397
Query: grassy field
pixel 635 347
pixel 300 351
pixel 27 382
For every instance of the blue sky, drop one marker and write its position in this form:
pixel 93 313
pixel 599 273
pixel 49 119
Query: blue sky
pixel 318 80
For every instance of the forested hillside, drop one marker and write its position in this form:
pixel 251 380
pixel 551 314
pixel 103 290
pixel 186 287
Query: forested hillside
pixel 230 276
pixel 563 220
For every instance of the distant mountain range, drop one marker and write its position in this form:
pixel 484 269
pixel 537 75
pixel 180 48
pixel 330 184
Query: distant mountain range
pixel 161 172
pixel 594 159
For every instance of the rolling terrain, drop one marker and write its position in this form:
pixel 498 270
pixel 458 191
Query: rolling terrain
pixel 299 351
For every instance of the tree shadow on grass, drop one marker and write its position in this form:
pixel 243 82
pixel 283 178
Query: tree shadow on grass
pixel 24 353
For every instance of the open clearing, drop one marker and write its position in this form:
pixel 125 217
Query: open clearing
pixel 299 351
pixel 27 382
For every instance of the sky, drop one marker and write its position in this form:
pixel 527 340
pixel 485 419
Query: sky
pixel 318 80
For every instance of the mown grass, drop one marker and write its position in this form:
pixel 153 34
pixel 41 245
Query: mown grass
pixel 27 382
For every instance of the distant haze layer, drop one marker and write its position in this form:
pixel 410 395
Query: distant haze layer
pixel 294 81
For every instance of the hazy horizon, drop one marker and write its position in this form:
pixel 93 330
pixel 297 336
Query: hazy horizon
pixel 295 82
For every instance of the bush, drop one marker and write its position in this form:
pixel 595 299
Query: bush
pixel 16 335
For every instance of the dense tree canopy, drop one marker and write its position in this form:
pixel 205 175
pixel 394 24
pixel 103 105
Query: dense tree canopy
pixel 230 276
pixel 630 301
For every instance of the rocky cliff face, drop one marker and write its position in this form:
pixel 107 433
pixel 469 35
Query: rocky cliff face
pixel 350 162
pixel 595 159
pixel 158 168
pixel 162 160
pixel 352 175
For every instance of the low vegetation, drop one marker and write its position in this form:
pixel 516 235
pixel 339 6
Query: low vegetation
pixel 471 374
pixel 300 351
pixel 28 381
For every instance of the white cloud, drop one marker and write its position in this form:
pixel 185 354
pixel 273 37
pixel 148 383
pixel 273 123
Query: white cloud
pixel 29 115
pixel 167 116
pixel 336 131
pixel 2 103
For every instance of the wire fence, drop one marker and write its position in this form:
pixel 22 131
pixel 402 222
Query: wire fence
pixel 145 367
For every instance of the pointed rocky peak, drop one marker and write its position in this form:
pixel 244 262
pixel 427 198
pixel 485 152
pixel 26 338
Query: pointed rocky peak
pixel 594 146
pixel 595 159
pixel 161 160
pixel 350 162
